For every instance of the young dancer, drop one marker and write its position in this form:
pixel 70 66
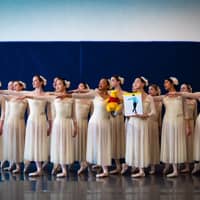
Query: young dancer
pixel 137 136
pixel 2 107
pixel 155 128
pixel 63 130
pixel 118 127
pixel 190 116
pixel 173 141
pixel 82 111
pixel 99 134
pixel 196 148
pixel 14 130
pixel 36 141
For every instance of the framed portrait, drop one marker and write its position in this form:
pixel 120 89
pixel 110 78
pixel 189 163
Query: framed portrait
pixel 132 104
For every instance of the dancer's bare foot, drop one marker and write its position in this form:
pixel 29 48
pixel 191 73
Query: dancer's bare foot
pixel 115 171
pixel 196 168
pixel 102 175
pixel 152 171
pixel 35 174
pixel 186 170
pixel 54 171
pixel 61 175
pixel 7 169
pixel 10 168
pixel 165 170
pixel 172 175
pixel 138 175
pixel 26 166
pixel 124 168
pixel 82 169
pixel 16 171
pixel 44 164
pixel 2 164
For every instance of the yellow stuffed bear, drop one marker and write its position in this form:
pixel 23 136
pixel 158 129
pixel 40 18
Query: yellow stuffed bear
pixel 113 103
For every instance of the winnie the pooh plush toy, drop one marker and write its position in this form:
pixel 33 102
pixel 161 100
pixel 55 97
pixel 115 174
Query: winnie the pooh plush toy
pixel 113 103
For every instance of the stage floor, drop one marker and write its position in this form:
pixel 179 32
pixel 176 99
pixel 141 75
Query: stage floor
pixel 87 187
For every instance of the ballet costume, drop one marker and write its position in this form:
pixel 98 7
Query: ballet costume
pixel 190 116
pixel 36 139
pixel 2 106
pixel 62 142
pixel 154 133
pixel 14 129
pixel 117 140
pixel 82 110
pixel 99 136
pixel 196 147
pixel 173 141
pixel 137 139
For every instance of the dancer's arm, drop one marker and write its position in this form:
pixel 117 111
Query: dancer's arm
pixel 89 95
pixel 49 117
pixel 74 119
pixel 14 93
pixel 186 117
pixel 195 95
pixel 38 97
pixel 153 108
pixel 158 98
pixel 2 115
pixel 151 113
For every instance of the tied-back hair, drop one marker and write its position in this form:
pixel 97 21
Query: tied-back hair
pixel 157 88
pixel 189 87
pixel 107 81
pixel 41 79
pixel 172 82
pixel 119 78
pixel 65 82
pixel 86 86
pixel 145 81
pixel 21 83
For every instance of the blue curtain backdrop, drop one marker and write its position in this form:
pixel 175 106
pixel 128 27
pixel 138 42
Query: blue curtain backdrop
pixel 89 61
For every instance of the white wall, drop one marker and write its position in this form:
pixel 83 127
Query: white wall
pixel 100 20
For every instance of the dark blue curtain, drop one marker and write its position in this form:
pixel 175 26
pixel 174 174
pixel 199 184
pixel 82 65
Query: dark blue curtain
pixel 89 61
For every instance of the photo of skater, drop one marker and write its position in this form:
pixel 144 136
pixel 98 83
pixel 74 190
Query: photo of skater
pixel 135 102
pixel 132 104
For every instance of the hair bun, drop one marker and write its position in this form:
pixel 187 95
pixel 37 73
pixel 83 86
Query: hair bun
pixel 67 84
pixel 121 80
pixel 23 84
pixel 145 80
pixel 174 80
pixel 44 80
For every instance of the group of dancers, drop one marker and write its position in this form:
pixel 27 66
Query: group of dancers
pixel 63 127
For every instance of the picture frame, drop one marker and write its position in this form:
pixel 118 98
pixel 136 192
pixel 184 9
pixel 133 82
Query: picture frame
pixel 132 104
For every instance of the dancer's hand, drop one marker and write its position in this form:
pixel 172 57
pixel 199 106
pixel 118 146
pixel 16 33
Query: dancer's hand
pixel 62 96
pixel 188 130
pixel 49 128
pixel 21 97
pixel 75 91
pixel 142 116
pixel 1 127
pixel 48 132
pixel 79 91
pixel 75 130
pixel 174 94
